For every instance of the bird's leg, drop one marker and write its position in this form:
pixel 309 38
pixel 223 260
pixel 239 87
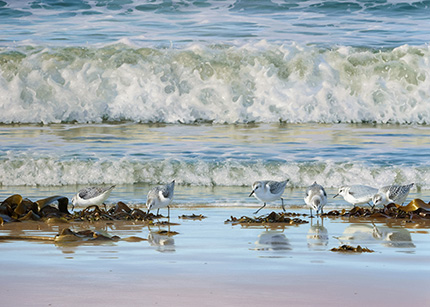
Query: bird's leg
pixel 260 208
pixel 310 210
pixel 168 213
pixel 158 211
pixel 282 200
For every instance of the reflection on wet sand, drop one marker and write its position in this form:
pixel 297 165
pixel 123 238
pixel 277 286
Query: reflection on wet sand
pixel 388 236
pixel 317 236
pixel 162 242
pixel 272 240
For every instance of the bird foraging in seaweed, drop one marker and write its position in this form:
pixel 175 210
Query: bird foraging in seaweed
pixel 392 194
pixel 92 196
pixel 267 191
pixel 316 198
pixel 160 197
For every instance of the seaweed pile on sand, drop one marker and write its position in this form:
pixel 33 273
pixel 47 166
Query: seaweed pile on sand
pixel 416 209
pixel 289 218
pixel 55 208
pixel 351 249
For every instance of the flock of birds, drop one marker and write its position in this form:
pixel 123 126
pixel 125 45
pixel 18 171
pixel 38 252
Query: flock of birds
pixel 265 191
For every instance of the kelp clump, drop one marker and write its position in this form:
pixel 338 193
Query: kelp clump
pixel 17 208
pixel 273 217
pixel 416 209
pixel 192 217
pixel 120 211
pixel 351 249
pixel 55 209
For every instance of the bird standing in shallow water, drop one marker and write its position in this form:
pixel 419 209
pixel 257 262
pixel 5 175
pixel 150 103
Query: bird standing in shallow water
pixel 392 194
pixel 267 191
pixel 356 194
pixel 92 196
pixel 316 198
pixel 160 197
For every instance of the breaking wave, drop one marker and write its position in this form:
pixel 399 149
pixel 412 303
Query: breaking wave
pixel 52 172
pixel 262 82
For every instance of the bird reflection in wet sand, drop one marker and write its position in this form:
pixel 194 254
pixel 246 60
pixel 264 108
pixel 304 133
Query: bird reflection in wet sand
pixel 272 240
pixel 163 242
pixel 317 236
pixel 388 236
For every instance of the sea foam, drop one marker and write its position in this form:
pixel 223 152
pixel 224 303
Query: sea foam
pixel 262 83
pixel 47 171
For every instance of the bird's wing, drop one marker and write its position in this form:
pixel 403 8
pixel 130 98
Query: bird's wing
pixel 396 190
pixel 91 192
pixel 277 187
pixel 165 191
pixel 362 190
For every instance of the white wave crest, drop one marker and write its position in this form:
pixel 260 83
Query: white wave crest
pixel 51 172
pixel 221 84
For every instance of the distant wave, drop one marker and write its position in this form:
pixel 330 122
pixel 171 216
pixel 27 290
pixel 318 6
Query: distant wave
pixel 52 172
pixel 263 83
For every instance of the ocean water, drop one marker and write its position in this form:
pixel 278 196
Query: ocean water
pixel 213 94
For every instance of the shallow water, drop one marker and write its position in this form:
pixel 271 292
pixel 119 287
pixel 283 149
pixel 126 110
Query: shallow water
pixel 208 253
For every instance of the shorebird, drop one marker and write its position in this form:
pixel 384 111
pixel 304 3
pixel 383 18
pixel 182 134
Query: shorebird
pixel 357 194
pixel 267 191
pixel 92 196
pixel 160 197
pixel 316 198
pixel 391 194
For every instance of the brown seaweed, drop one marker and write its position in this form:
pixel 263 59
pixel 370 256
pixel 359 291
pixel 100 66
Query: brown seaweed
pixel 273 217
pixel 167 233
pixel 192 217
pixel 67 235
pixel 351 249
pixel 416 209
pixel 63 202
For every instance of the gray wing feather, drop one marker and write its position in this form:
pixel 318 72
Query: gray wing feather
pixel 166 190
pixel 277 187
pixel 92 192
pixel 396 190
pixel 153 193
pixel 362 190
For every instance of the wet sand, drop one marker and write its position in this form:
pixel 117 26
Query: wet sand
pixel 211 263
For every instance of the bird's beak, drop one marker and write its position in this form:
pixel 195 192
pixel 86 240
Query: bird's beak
pixel 336 195
pixel 251 193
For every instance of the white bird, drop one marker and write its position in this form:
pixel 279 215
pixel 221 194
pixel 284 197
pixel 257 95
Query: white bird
pixel 316 197
pixel 267 191
pixel 92 196
pixel 392 194
pixel 356 194
pixel 160 197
